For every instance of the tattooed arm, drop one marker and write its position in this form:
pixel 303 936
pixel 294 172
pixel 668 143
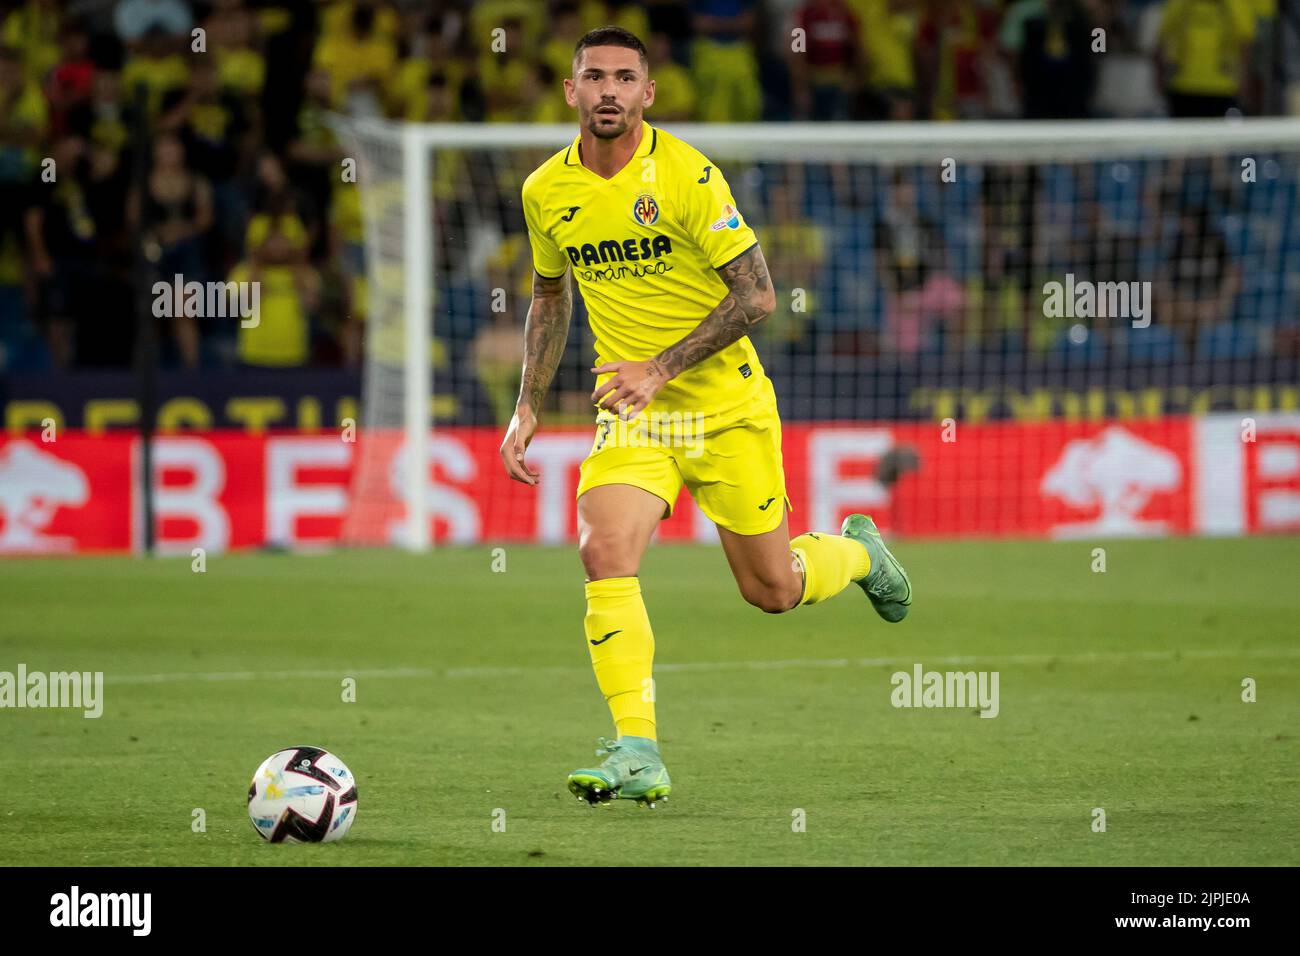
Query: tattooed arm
pixel 546 331
pixel 750 298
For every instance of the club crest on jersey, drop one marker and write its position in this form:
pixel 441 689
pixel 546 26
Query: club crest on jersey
pixel 645 210
pixel 730 218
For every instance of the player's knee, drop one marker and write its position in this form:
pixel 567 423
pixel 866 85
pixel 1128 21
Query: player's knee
pixel 606 556
pixel 770 597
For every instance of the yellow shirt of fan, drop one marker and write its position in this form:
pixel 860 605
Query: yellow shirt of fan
pixel 1203 41
pixel 281 336
pixel 643 247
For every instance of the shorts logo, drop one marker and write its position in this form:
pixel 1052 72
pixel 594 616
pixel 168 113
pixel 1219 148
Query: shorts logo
pixel 645 210
pixel 730 218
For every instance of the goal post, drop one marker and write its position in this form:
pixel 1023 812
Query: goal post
pixel 927 253
pixel 388 500
pixel 417 315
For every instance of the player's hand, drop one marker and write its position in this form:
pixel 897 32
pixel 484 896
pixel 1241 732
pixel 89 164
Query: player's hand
pixel 633 386
pixel 516 442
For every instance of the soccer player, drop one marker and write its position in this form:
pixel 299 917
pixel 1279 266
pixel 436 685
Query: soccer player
pixel 673 279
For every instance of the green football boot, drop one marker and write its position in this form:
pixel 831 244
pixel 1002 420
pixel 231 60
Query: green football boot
pixel 632 770
pixel 886 584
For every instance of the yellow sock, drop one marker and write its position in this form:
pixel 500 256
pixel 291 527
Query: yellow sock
pixel 622 650
pixel 830 563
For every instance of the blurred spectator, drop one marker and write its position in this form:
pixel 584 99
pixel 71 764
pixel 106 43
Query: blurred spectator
pixel 289 287
pixel 675 98
pixel 280 208
pixel 1050 45
pixel 795 246
pixel 887 36
pixel 824 74
pixel 1201 279
pixel 136 18
pixel 921 295
pixel 340 15
pixel 287 290
pixel 726 71
pixel 1010 208
pixel 156 65
pixel 360 56
pixel 314 154
pixel 496 356
pixel 434 103
pixel 175 214
pixel 216 132
pixel 543 100
pixel 672 18
pixel 33 30
pixel 504 76
pixel 619 13
pixel 233 41
pixel 955 45
pixel 61 242
pixel 530 17
pixel 1203 49
pixel 347 247
pixel 428 83
pixel 105 127
pixel 68 84
pixel 107 124
pixel 24 117
pixel 566 30
pixel 1127 81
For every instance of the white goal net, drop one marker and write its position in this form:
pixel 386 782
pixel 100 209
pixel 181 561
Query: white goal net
pixel 972 272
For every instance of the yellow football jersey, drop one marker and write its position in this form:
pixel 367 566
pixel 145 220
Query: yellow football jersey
pixel 643 247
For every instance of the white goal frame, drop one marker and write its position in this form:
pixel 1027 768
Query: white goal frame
pixel 902 142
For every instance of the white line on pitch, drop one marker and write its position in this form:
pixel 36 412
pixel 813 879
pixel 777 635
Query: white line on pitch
pixel 216 676
pixel 704 666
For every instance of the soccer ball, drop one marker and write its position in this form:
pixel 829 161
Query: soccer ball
pixel 302 795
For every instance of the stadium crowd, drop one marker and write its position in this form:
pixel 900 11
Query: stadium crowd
pixel 242 164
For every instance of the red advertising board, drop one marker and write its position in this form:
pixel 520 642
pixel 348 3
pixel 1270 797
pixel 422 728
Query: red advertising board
pixel 1217 474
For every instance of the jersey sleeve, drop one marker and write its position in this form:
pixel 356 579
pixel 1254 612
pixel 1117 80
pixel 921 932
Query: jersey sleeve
pixel 710 216
pixel 548 260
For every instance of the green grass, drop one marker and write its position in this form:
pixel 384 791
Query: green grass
pixel 1119 690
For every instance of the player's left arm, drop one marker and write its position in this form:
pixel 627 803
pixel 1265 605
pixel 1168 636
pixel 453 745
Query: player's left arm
pixel 750 298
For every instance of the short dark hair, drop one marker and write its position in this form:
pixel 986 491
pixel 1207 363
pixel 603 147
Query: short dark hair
pixel 612 36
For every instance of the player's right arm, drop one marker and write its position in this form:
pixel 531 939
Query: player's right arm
pixel 546 329
pixel 545 333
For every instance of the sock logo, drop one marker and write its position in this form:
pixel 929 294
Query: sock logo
pixel 606 637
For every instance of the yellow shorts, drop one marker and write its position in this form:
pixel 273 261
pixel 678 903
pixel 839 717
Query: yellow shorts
pixel 735 473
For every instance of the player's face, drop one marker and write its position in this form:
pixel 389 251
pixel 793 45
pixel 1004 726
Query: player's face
pixel 610 89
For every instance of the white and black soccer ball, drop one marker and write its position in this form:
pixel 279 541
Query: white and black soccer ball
pixel 302 795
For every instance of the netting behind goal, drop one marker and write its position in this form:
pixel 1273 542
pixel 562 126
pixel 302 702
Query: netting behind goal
pixel 392 168
pixel 933 275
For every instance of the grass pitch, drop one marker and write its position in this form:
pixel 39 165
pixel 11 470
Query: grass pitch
pixel 1120 690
